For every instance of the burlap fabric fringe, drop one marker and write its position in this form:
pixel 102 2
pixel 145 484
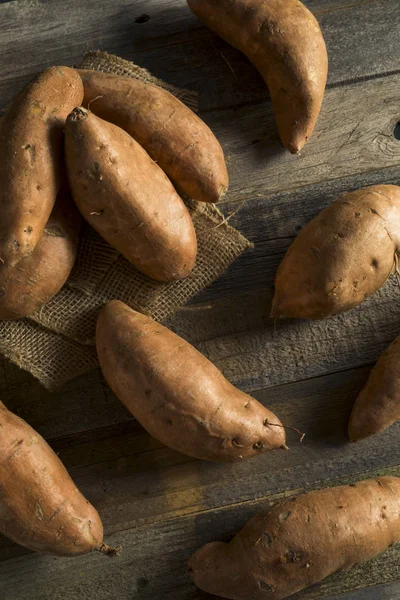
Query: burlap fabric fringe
pixel 56 343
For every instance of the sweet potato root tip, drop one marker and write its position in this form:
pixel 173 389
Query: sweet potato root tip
pixel 78 114
pixel 110 551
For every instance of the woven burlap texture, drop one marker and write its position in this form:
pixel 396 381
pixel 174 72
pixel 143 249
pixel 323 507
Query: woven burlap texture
pixel 56 343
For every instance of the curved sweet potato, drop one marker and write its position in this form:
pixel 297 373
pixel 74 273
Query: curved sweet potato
pixel 301 541
pixel 40 506
pixel 31 146
pixel 127 198
pixel 285 43
pixel 38 277
pixel 342 256
pixel 178 395
pixel 174 136
pixel 378 405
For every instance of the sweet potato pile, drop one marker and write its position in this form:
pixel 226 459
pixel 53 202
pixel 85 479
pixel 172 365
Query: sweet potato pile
pixel 119 152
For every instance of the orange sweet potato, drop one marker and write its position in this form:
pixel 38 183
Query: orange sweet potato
pixel 173 135
pixel 38 277
pixel 127 198
pixel 178 395
pixel 378 405
pixel 40 506
pixel 285 43
pixel 300 541
pixel 31 146
pixel 341 257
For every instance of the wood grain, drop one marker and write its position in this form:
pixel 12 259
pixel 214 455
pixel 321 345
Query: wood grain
pixel 159 504
pixel 175 47
pixel 153 563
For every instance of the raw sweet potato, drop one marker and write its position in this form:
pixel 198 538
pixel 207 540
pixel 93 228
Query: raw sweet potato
pixel 342 256
pixel 300 541
pixel 378 405
pixel 40 506
pixel 31 146
pixel 285 43
pixel 178 395
pixel 38 277
pixel 127 198
pixel 174 136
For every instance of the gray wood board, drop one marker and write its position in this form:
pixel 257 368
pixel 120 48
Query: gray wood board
pixel 157 503
pixel 174 45
pixel 154 564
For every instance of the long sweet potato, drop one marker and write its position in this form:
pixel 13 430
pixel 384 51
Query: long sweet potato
pixel 378 405
pixel 127 198
pixel 31 147
pixel 174 136
pixel 40 506
pixel 38 277
pixel 178 395
pixel 285 43
pixel 301 541
pixel 341 257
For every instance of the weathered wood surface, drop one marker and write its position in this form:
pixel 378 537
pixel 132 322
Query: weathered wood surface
pixel 157 503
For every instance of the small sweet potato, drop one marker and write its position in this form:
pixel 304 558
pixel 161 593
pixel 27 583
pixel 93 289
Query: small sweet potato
pixel 174 136
pixel 378 405
pixel 127 198
pixel 31 147
pixel 285 43
pixel 40 506
pixel 178 395
pixel 302 540
pixel 342 256
pixel 38 277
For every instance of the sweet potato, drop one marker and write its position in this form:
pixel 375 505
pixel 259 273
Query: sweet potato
pixel 174 136
pixel 40 506
pixel 378 405
pixel 300 541
pixel 342 256
pixel 178 395
pixel 127 198
pixel 285 43
pixel 38 277
pixel 31 146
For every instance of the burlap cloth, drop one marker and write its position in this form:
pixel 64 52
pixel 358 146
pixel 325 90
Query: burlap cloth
pixel 56 343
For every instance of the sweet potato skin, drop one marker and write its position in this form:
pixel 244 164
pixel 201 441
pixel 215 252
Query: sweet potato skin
pixel 285 43
pixel 127 198
pixel 31 146
pixel 341 257
pixel 378 405
pixel 40 506
pixel 174 136
pixel 302 540
pixel 178 395
pixel 38 277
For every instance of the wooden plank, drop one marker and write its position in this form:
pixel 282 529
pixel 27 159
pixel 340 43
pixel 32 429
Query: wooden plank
pixel 133 480
pixel 354 134
pixel 384 591
pixel 174 47
pixel 84 404
pixel 154 559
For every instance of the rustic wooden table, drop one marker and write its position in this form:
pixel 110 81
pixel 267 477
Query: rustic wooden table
pixel 159 505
